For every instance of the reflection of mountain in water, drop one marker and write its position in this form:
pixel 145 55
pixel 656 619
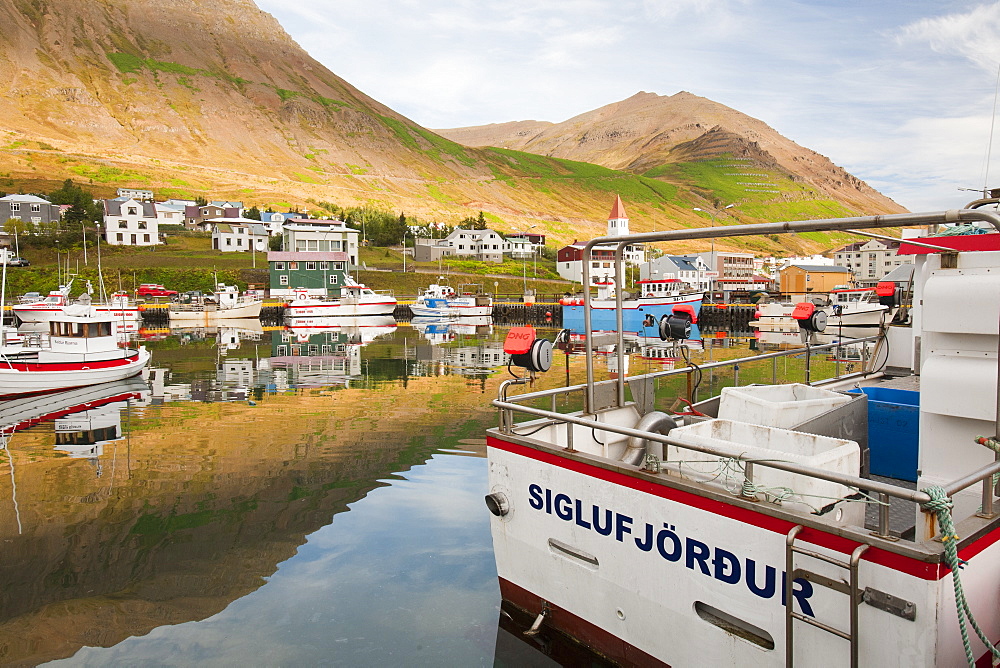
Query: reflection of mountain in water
pixel 198 504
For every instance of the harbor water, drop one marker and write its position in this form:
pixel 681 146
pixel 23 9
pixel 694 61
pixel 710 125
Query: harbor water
pixel 269 497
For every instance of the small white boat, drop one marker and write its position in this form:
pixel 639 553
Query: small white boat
pixel 845 307
pixel 355 299
pixel 443 301
pixel 80 349
pixel 225 303
pixel 33 308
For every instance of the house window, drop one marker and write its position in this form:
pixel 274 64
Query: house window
pixel 36 219
pixel 333 279
pixel 283 279
pixel 122 224
pixel 145 238
pixel 326 350
pixel 338 265
pixel 335 246
pixel 324 266
pixel 300 245
pixel 310 266
pixel 229 241
pixel 142 225
pixel 239 242
pixel 293 266
pixel 15 206
pixel 36 208
pixel 313 349
pixel 324 245
pixel 313 245
pixel 282 351
pixel 279 266
pixel 132 211
pixel 121 237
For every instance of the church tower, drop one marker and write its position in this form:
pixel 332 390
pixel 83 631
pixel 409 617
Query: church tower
pixel 618 220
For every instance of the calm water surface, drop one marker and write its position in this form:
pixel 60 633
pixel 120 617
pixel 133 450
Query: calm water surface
pixel 262 497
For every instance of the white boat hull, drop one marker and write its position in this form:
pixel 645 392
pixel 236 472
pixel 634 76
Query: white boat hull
pixel 206 315
pixel 31 377
pixel 41 314
pixel 625 566
pixel 422 311
pixel 335 309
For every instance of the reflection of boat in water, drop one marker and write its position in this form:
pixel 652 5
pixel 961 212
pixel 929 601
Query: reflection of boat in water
pixel 357 329
pixel 26 411
pixel 442 330
pixel 81 348
pixel 355 300
pixel 443 301
pixel 654 298
pixel 225 303
pixel 737 534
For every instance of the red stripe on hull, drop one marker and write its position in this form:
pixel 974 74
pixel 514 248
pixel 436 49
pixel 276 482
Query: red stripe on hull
pixel 590 635
pixel 68 366
pixel 921 569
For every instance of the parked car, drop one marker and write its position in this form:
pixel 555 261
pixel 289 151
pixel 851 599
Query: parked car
pixel 17 262
pixel 154 290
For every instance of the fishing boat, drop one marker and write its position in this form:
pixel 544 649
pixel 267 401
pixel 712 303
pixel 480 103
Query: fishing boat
pixel 225 303
pixel 752 529
pixel 654 299
pixel 845 308
pixel 34 308
pixel 356 299
pixel 81 348
pixel 443 301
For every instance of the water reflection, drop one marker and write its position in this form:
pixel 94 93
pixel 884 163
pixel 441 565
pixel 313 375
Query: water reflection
pixel 197 514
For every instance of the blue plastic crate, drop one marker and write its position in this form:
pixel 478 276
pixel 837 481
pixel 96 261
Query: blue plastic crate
pixel 893 431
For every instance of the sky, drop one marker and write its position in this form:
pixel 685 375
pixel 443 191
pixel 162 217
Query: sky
pixel 902 94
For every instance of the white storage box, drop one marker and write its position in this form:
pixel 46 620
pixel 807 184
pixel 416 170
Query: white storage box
pixel 771 443
pixel 777 405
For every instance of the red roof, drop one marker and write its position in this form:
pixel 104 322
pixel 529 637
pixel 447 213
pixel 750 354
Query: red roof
pixel 965 242
pixel 618 210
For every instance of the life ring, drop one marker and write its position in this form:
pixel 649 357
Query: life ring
pixel 649 294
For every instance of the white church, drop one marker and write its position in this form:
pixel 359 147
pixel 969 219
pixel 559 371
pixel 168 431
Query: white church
pixel 569 259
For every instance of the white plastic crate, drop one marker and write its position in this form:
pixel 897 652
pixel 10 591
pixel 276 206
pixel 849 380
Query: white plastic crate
pixel 777 405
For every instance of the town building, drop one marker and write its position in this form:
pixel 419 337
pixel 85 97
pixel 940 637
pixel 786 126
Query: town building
pixel 29 208
pixel 195 216
pixel 169 215
pixel 482 245
pixel 690 269
pixel 239 235
pixel 305 235
pixel 728 265
pixel 130 222
pixel 569 259
pixel 138 195
pixel 321 273
pixel 800 279
pixel 868 261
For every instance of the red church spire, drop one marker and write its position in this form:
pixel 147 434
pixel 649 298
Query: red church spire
pixel 618 210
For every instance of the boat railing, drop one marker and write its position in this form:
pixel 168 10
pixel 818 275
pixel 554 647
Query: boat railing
pixel 588 418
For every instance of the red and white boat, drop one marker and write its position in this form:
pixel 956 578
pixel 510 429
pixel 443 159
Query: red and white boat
pixel 81 348
pixel 355 299
pixel 119 306
pixel 845 307
pixel 725 539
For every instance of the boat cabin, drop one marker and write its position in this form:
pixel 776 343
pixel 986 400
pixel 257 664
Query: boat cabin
pixel 82 334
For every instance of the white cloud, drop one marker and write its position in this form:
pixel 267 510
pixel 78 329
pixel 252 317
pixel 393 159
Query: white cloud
pixel 972 35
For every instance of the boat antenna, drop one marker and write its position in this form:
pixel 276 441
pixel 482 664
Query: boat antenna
pixel 989 145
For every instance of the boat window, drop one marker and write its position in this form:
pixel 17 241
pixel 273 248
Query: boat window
pixel 734 625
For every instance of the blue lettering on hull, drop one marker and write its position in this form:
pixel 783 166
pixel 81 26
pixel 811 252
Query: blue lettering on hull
pixel 696 556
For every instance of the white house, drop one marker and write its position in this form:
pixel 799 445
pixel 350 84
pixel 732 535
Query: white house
pixel 274 220
pixel 484 245
pixel 130 222
pixel 238 235
pixel 690 269
pixel 169 215
pixel 308 235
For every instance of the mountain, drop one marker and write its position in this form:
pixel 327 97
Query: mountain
pixel 647 131
pixel 213 98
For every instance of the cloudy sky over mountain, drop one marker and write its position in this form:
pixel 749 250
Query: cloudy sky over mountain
pixel 901 94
